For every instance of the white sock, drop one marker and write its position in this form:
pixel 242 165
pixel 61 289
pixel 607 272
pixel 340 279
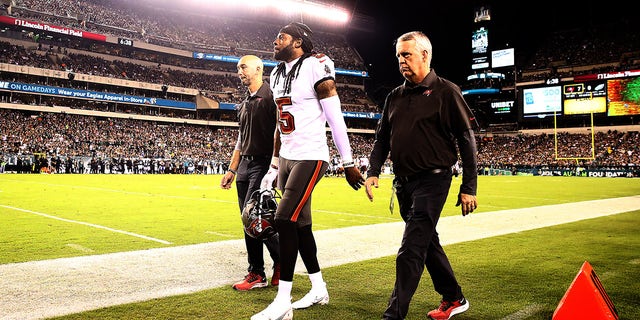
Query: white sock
pixel 316 280
pixel 284 291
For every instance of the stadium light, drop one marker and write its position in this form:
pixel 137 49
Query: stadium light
pixel 333 13
pixel 288 8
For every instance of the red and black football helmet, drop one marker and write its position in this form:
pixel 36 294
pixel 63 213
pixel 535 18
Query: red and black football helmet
pixel 259 213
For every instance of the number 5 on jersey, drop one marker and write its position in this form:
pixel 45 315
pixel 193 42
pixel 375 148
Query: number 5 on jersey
pixel 285 119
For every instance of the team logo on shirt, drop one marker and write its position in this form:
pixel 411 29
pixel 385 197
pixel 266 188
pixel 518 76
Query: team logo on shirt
pixel 427 92
pixel 327 70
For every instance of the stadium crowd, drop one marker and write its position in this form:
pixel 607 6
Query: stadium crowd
pixel 521 153
pixel 24 134
pixel 158 22
pixel 563 53
pixel 354 97
pixel 82 143
pixel 594 49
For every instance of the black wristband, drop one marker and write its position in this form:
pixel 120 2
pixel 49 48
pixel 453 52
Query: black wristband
pixel 232 171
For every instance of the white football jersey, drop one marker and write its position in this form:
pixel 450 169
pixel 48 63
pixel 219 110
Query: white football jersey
pixel 302 122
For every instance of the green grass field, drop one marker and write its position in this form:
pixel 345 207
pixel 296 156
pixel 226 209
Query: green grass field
pixel 515 276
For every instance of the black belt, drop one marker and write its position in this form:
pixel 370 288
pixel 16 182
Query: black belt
pixel 251 158
pixel 422 174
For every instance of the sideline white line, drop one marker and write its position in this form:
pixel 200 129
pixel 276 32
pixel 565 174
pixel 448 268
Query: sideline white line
pixel 88 224
pixel 42 289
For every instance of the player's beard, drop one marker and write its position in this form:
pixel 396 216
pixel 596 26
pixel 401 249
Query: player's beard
pixel 285 54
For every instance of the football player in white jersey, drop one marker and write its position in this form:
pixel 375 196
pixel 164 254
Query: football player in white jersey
pixel 304 90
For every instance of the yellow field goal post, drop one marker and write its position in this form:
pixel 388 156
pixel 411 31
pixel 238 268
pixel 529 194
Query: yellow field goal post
pixel 574 158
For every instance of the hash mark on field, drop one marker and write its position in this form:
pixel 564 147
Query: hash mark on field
pixel 525 313
pixel 79 247
pixel 88 224
pixel 220 234
pixel 606 275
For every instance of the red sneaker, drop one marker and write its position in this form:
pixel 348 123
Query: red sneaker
pixel 275 279
pixel 448 309
pixel 251 280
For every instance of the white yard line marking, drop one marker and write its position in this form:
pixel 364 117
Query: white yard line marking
pixel 79 247
pixel 88 224
pixel 525 313
pixel 220 234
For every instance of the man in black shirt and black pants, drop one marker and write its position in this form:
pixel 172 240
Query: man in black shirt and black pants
pixel 424 124
pixel 250 162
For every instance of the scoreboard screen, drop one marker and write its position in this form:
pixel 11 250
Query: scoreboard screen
pixel 479 48
pixel 503 58
pixel 585 97
pixel 480 40
pixel 541 101
pixel 624 96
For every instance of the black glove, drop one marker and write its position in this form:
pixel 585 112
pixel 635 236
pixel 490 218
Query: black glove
pixel 354 177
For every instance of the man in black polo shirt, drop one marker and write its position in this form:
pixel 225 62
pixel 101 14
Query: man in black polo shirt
pixel 424 124
pixel 250 162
